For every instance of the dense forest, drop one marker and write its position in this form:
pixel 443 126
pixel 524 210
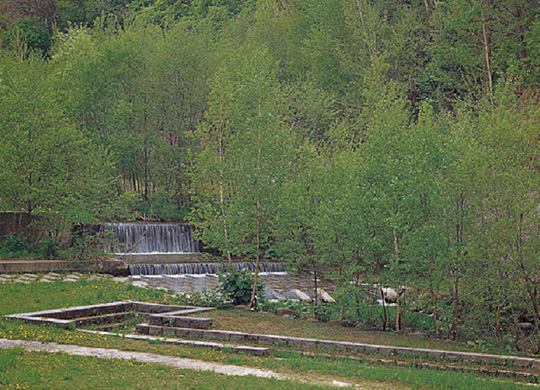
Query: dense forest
pixel 386 142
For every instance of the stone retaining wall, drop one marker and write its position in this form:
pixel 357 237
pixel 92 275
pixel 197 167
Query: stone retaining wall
pixel 338 345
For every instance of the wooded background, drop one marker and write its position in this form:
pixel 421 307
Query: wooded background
pixel 392 142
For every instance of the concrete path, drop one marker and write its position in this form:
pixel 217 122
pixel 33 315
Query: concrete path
pixel 180 363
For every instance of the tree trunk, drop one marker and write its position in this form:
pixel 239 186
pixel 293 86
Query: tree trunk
pixel 257 261
pixel 486 55
pixel 456 302
pixel 221 200
pixel 434 310
pixel 398 313
pixel 385 318
pixel 258 206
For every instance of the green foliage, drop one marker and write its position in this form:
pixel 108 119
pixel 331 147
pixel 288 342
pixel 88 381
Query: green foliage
pixel 15 245
pixel 49 248
pixel 238 285
pixel 30 31
pixel 302 309
pixel 376 143
pixel 325 312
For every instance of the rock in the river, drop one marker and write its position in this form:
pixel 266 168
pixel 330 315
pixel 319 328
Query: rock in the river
pixel 297 294
pixel 273 294
pixel 324 296
pixel 114 266
pixel 390 293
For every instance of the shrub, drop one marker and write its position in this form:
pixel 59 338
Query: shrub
pixel 238 285
pixel 48 248
pixel 326 312
pixel 15 245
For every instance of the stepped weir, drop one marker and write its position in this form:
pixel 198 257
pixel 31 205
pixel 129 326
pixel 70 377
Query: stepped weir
pixel 152 249
pixel 146 238
pixel 165 255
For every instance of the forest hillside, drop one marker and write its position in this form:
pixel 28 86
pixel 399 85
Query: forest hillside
pixel 387 142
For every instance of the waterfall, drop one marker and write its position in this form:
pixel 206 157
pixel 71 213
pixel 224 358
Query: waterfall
pixel 151 238
pixel 199 268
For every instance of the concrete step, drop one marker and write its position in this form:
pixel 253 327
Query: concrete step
pixel 223 335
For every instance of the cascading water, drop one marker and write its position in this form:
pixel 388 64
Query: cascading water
pixel 153 249
pixel 166 255
pixel 199 269
pixel 137 238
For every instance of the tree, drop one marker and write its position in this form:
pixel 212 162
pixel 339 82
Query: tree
pixel 245 158
pixel 47 166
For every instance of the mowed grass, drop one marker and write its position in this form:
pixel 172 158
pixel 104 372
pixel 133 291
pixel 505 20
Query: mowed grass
pixel 41 370
pixel 40 296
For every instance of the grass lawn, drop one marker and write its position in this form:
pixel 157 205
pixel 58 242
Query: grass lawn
pixel 62 371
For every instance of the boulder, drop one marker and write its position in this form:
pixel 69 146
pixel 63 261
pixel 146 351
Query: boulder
pixel 324 296
pixel 298 295
pixel 390 293
pixel 113 266
pixel 273 294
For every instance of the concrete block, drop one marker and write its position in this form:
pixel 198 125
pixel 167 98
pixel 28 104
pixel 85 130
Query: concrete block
pixel 257 351
pixel 142 328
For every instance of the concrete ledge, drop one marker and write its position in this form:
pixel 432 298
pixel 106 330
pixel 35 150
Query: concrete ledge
pixel 257 351
pixel 180 322
pixel 161 258
pixel 35 265
pixel 348 346
pixel 109 312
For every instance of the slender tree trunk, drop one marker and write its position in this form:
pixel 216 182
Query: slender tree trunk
pixel 257 261
pixel 258 206
pixel 432 292
pixel 516 329
pixel 315 276
pixel 398 309
pixel 385 318
pixel 456 301
pixel 498 321
pixel 434 310
pixel 341 298
pixel 486 55
pixel 221 199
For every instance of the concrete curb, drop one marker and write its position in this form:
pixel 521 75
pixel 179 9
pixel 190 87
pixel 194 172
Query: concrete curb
pixel 240 337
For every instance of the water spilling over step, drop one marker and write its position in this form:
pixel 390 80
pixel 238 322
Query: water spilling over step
pixel 150 238
pixel 199 268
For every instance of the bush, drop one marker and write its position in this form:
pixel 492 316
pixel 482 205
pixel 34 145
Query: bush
pixel 238 286
pixel 48 248
pixel 15 245
pixel 326 312
pixel 301 308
